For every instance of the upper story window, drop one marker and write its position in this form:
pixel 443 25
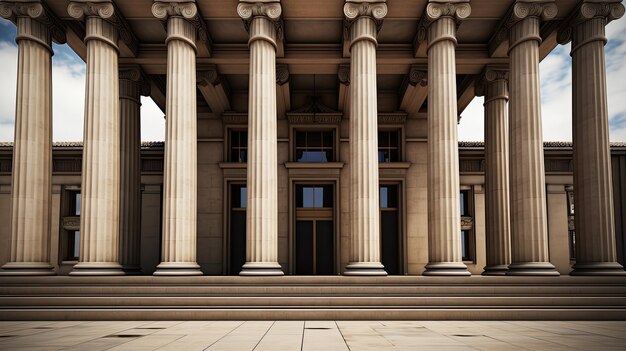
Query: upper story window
pixel 238 145
pixel 388 146
pixel 71 225
pixel 314 196
pixel 467 227
pixel 315 146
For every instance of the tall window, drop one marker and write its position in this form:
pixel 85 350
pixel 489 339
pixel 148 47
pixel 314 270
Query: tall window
pixel 467 227
pixel 238 205
pixel 71 225
pixel 238 146
pixel 570 224
pixel 315 146
pixel 391 256
pixel 389 146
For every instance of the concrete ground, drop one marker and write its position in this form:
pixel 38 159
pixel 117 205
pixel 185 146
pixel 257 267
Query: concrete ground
pixel 313 335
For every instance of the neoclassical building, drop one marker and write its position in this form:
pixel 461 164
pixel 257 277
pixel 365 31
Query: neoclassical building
pixel 308 138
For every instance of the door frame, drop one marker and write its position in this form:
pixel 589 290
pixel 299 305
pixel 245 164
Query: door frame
pixel 402 236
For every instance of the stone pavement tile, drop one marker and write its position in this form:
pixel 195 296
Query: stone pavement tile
pixel 364 336
pixel 322 335
pixel 200 335
pixel 486 343
pixel 244 337
pixel 531 343
pixel 586 342
pixel 437 348
pixel 99 344
pixel 284 336
pixel 147 343
pixel 594 328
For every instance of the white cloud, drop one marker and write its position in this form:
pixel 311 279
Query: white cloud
pixel 152 121
pixel 472 125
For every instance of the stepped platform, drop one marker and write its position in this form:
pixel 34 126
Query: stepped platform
pixel 312 298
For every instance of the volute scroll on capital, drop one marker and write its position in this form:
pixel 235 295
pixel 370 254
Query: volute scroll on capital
pixel 36 10
pixel 418 75
pixel 343 73
pixel 493 81
pixel 270 9
pixel 282 74
pixel 458 9
pixel 376 9
pixel 136 77
pixel 587 10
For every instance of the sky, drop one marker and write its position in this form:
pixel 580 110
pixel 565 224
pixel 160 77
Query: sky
pixel 68 93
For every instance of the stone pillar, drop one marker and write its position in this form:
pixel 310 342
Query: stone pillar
pixel 133 84
pixel 32 150
pixel 365 19
pixel 494 87
pixel 444 208
pixel 529 228
pixel 180 173
pixel 262 196
pixel 99 220
pixel 593 187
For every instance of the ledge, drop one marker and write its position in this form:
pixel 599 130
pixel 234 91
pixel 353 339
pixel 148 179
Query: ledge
pixel 394 165
pixel 233 165
pixel 314 165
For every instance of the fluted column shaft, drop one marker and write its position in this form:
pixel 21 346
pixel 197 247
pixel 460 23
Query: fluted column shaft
pixel 529 229
pixel 262 179
pixel 593 197
pixel 497 216
pixel 180 178
pixel 130 151
pixel 99 220
pixel 364 187
pixel 32 152
pixel 444 212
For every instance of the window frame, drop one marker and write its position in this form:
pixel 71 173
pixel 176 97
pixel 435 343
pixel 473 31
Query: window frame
pixel 471 229
pixel 229 143
pixel 69 223
pixel 400 150
pixel 294 129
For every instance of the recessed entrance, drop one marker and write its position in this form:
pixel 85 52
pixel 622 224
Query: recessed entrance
pixel 314 230
pixel 237 226
pixel 390 243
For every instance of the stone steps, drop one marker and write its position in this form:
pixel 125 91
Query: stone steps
pixel 336 297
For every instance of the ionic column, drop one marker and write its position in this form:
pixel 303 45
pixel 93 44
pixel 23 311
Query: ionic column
pixel 593 186
pixel 180 167
pixel 32 150
pixel 262 194
pixel 444 209
pixel 494 87
pixel 364 18
pixel 99 220
pixel 133 84
pixel 529 228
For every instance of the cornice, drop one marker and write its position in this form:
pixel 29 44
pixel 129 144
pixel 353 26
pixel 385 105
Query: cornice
pixel 38 11
pixel 587 10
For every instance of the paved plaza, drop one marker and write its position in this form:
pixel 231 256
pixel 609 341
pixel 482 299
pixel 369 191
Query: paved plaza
pixel 313 335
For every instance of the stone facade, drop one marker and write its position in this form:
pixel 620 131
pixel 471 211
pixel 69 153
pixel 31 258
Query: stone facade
pixel 318 139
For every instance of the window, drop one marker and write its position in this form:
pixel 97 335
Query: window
pixel 71 224
pixel 237 239
pixel 238 146
pixel 389 146
pixel 314 196
pixel 467 227
pixel 391 256
pixel 571 229
pixel 315 146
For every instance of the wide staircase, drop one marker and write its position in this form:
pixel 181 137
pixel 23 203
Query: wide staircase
pixel 312 297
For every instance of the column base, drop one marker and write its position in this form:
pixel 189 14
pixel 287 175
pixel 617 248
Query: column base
pixel 365 269
pixel 132 270
pixel 499 269
pixel 27 268
pixel 177 268
pixel 97 268
pixel 447 269
pixel 261 269
pixel 532 268
pixel 598 268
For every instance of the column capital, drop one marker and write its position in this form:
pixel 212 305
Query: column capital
pixel 586 10
pixel 418 74
pixel 376 9
pixel 459 9
pixel 133 82
pixel 188 10
pixel 493 83
pixel 270 9
pixel 208 74
pixel 36 10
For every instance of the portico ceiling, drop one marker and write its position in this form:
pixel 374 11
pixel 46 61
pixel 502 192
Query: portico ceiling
pixel 314 39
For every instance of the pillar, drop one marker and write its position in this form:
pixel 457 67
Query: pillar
pixel 364 18
pixel 262 194
pixel 444 208
pixel 133 84
pixel 180 165
pixel 494 87
pixel 100 205
pixel 593 186
pixel 529 227
pixel 32 151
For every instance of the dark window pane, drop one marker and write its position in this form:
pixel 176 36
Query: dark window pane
pixel 318 194
pixel 300 139
pixel 394 137
pixel 328 196
pixel 237 241
pixel 243 155
pixel 76 238
pixel 314 140
pixel 390 241
pixel 330 157
pixel 243 138
pixel 393 155
pixel 464 203
pixel 308 197
pixel 328 139
pixel 312 156
pixel 392 196
pixel 383 196
pixel 383 156
pixel 465 245
pixel 300 156
pixel 77 200
pixel 383 139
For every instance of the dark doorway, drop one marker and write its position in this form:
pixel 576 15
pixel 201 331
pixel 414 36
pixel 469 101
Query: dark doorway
pixel 391 254
pixel 237 227
pixel 315 234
